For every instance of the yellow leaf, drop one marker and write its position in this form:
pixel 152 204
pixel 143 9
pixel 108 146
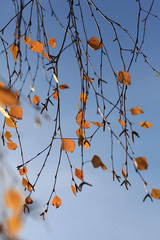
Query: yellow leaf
pixel 10 122
pixel 26 40
pixel 36 100
pixel 96 162
pixel 52 42
pixel 84 142
pixel 83 98
pixel 7 98
pixel 124 78
pixel 56 94
pixel 98 124
pixel 136 111
pixel 23 171
pixel 155 193
pixel 4 112
pixel 36 46
pixel 63 86
pixel 56 202
pixel 26 184
pixel 80 117
pixel 145 124
pixel 79 174
pixel 13 199
pixel 16 112
pixel 141 163
pixel 45 55
pixel 73 189
pixel 67 145
pixel 123 172
pixel 94 43
pixel 13 225
pixel 80 133
pixel 11 145
pixel 121 122
pixel 8 136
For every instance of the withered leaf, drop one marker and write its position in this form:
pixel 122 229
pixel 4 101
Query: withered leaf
pixel 98 124
pixel 26 40
pixel 155 193
pixel 7 98
pixel 94 43
pixel 11 145
pixel 124 78
pixel 84 142
pixel 63 86
pixel 141 163
pixel 36 100
pixel 56 202
pixel 56 94
pixel 10 122
pixel 23 171
pixel 84 124
pixel 36 46
pixel 28 200
pixel 73 189
pixel 122 122
pixel 136 111
pixel 26 184
pixel 67 145
pixel 80 132
pixel 45 55
pixel 123 172
pixel 16 112
pixel 96 162
pixel 52 42
pixel 145 124
pixel 79 174
pixel 8 136
pixel 83 98
pixel 88 79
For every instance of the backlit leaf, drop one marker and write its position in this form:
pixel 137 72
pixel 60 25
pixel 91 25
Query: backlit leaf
pixel 16 112
pixel 96 162
pixel 8 136
pixel 67 145
pixel 23 171
pixel 36 46
pixel 73 189
pixel 80 133
pixel 56 94
pixel 124 78
pixel 155 193
pixel 145 124
pixel 141 163
pixel 26 184
pixel 36 100
pixel 13 225
pixel 26 40
pixel 123 172
pixel 14 50
pixel 136 111
pixel 7 98
pixel 11 145
pixel 83 98
pixel 4 112
pixel 94 43
pixel 98 124
pixel 63 86
pixel 84 142
pixel 13 199
pixel 121 122
pixel 56 202
pixel 79 174
pixel 52 42
pixel 45 55
pixel 10 122
pixel 85 124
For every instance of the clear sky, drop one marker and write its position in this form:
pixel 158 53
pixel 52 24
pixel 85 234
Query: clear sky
pixel 106 210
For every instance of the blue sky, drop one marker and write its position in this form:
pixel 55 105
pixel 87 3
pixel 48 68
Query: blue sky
pixel 104 210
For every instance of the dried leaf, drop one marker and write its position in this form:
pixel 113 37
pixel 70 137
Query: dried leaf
pixel 8 136
pixel 73 189
pixel 13 225
pixel 28 200
pixel 13 199
pixel 80 117
pixel 23 171
pixel 56 202
pixel 7 98
pixel 67 145
pixel 10 122
pixel 26 184
pixel 52 42
pixel 88 79
pixel 84 142
pixel 83 98
pixel 36 100
pixel 98 124
pixel 121 122
pixel 141 163
pixel 123 172
pixel 56 94
pixel 124 78
pixel 14 50
pixel 136 111
pixel 145 124
pixel 26 40
pixel 36 46
pixel 4 112
pixel 45 55
pixel 63 86
pixel 11 145
pixel 16 112
pixel 155 193
pixel 84 124
pixel 79 174
pixel 96 161
pixel 80 133
pixel 94 43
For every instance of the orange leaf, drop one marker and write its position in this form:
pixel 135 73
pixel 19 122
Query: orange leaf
pixel 1 84
pixel 98 124
pixel 94 43
pixel 123 172
pixel 12 145
pixel 73 189
pixel 88 79
pixel 83 97
pixel 136 111
pixel 84 142
pixel 124 78
pixel 16 112
pixel 145 124
pixel 10 122
pixel 155 193
pixel 63 86
pixel 67 145
pixel 13 225
pixel 56 94
pixel 79 174
pixel 45 55
pixel 23 171
pixel 26 184
pixel 8 136
pixel 26 40
pixel 121 122
pixel 14 50
pixel 56 202
pixel 85 124
pixel 80 117
pixel 13 199
pixel 36 100
pixel 28 200
pixel 36 46
pixel 80 133
pixel 96 162
pixel 7 98
pixel 141 163
pixel 52 42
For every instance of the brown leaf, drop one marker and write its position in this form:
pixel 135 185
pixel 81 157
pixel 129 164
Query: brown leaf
pixel 36 46
pixel 80 117
pixel 80 133
pixel 124 78
pixel 52 42
pixel 26 40
pixel 56 202
pixel 155 193
pixel 123 172
pixel 36 100
pixel 63 86
pixel 136 111
pixel 23 171
pixel 83 98
pixel 13 199
pixel 79 174
pixel 10 122
pixel 96 162
pixel 67 145
pixel 56 94
pixel 7 98
pixel 73 189
pixel 98 124
pixel 16 112
pixel 11 145
pixel 88 79
pixel 26 184
pixel 84 142
pixel 8 136
pixel 145 124
pixel 94 43
pixel 28 200
pixel 141 163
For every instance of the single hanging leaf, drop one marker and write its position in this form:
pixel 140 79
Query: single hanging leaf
pixel 145 124
pixel 73 190
pixel 84 142
pixel 26 40
pixel 56 94
pixel 98 124
pixel 63 86
pixel 26 184
pixel 123 172
pixel 13 199
pixel 36 46
pixel 8 136
pixel 67 145
pixel 10 122
pixel 155 193
pixel 36 100
pixel 45 55
pixel 96 162
pixel 28 200
pixel 13 225
pixel 94 43
pixel 16 112
pixel 136 111
pixel 14 50
pixel 7 98
pixel 4 112
pixel 141 163
pixel 52 42
pixel 23 171
pixel 80 133
pixel 124 78
pixel 56 202
pixel 121 122
pixel 83 98
pixel 79 174
pixel 11 145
